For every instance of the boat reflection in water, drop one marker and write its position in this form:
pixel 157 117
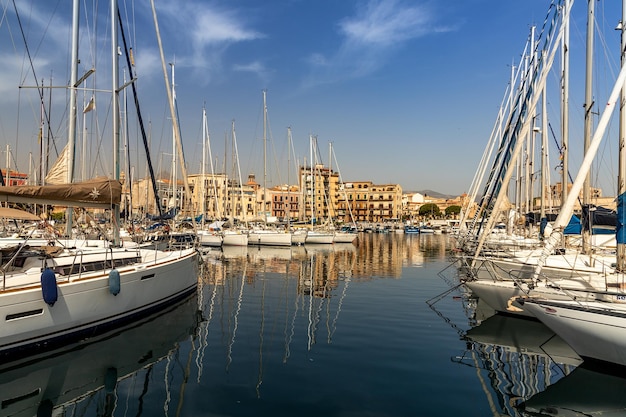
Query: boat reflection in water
pixel 86 374
pixel 516 358
pixel 584 392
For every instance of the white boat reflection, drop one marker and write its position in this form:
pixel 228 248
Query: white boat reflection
pixel 584 392
pixel 233 252
pixel 526 336
pixel 515 359
pixel 93 367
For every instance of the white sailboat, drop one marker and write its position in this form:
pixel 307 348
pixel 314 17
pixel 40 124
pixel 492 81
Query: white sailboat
pixel 50 295
pixel 207 235
pixel 594 328
pixel 235 236
pixel 316 234
pixel 264 235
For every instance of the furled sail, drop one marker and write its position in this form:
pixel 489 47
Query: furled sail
pixel 99 192
pixel 58 172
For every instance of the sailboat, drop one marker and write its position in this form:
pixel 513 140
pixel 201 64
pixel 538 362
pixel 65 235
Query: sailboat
pixel 264 235
pixel 499 277
pixel 347 234
pixel 51 295
pixel 207 234
pixel 235 236
pixel 594 325
pixel 316 235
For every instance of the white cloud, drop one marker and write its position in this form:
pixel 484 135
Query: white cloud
pixel 386 22
pixel 256 67
pixel 369 37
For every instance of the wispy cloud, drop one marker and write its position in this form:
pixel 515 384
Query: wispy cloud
pixel 206 31
pixel 383 23
pixel 257 68
pixel 377 29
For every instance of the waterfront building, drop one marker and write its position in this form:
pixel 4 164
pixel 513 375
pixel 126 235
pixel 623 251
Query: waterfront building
pixel 285 202
pixel 365 201
pixel 213 188
pixel 319 185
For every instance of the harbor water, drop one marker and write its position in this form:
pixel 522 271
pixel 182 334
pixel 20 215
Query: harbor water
pixel 375 328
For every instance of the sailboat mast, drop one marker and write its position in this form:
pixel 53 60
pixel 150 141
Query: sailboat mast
pixel 174 167
pixel 265 156
pixel 71 135
pixel 236 158
pixel 565 103
pixel 203 205
pixel 586 232
pixel 544 152
pixel 115 112
pixel 621 181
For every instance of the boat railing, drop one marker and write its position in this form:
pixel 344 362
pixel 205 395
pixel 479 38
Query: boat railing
pixel 9 263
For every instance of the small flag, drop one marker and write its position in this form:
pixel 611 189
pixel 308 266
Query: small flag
pixel 90 106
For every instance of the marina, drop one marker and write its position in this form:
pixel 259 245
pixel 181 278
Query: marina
pixel 374 328
pixel 124 292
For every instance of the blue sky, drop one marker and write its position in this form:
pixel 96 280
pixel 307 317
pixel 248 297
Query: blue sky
pixel 407 91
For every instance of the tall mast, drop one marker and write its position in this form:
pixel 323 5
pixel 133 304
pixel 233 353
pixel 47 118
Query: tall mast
pixel 565 103
pixel 621 181
pixel 236 155
pixel 265 156
pixel 204 134
pixel 115 112
pixel 288 210
pixel 174 165
pixel 544 152
pixel 170 100
pixel 71 131
pixel 586 232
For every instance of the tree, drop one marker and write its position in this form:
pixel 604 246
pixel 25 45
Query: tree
pixel 429 209
pixel 452 210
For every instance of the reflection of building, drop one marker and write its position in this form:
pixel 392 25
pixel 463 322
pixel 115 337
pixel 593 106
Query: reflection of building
pixel 379 256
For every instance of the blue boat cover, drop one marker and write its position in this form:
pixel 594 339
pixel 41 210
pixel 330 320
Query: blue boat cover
pixel 620 231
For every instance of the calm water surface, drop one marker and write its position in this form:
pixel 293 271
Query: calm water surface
pixel 343 330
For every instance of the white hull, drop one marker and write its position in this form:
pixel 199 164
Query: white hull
pixel 269 238
pixel 298 237
pixel 499 281
pixel 85 303
pixel 315 238
pixel 210 239
pixel 234 239
pixel 594 330
pixel 341 237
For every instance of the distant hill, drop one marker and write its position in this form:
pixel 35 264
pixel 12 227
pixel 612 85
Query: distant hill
pixel 435 194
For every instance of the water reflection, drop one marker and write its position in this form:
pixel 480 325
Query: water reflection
pixel 379 255
pixel 515 358
pixel 527 370
pixel 265 321
pixel 584 392
pixel 87 375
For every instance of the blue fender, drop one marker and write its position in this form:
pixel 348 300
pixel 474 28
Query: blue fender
pixel 49 287
pixel 114 282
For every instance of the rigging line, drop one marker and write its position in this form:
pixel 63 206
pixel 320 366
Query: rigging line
pixel 139 117
pixel 32 68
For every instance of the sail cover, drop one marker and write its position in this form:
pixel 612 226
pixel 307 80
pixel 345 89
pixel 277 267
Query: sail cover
pixel 99 192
